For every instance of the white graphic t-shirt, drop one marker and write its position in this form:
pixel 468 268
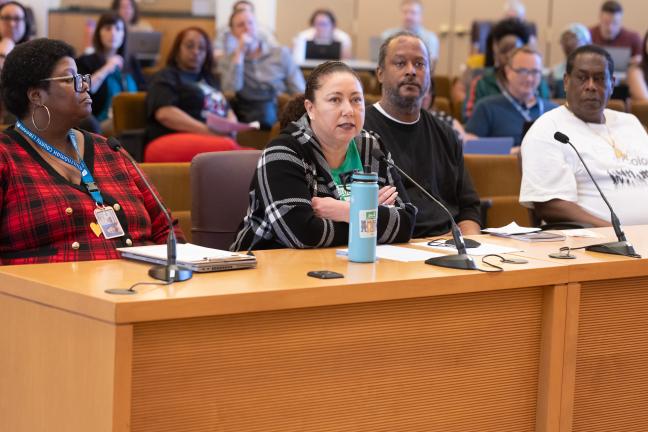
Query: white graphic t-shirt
pixel 615 152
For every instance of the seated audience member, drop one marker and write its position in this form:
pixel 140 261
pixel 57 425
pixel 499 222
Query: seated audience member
pixel 14 22
pixel 480 29
pixel 51 212
pixel 257 73
pixel 322 31
pixel 129 12
pixel 225 42
pixel 609 31
pixel 574 36
pixel 423 146
pixel 506 114
pixel 112 70
pixel 638 76
pixel 428 104
pixel 613 144
pixel 297 196
pixel 412 21
pixel 182 95
pixel 506 36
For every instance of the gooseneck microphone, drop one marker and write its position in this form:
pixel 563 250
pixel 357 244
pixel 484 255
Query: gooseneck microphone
pixel 169 272
pixel 620 247
pixel 460 261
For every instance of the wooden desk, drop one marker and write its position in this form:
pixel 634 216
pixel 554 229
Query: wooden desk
pixel 392 346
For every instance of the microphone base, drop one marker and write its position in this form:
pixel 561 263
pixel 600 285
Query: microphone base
pixel 615 248
pixel 459 261
pixel 170 273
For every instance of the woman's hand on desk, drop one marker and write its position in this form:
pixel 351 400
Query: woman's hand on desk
pixel 330 208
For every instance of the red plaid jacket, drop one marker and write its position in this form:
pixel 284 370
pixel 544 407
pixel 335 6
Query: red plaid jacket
pixel 44 218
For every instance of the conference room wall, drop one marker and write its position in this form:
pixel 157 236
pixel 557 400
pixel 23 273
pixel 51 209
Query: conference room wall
pixel 451 20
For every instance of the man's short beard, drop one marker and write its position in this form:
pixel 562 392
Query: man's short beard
pixel 406 103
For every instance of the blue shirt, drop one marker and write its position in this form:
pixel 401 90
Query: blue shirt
pixel 495 116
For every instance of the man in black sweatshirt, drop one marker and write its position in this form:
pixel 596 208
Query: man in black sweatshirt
pixel 421 145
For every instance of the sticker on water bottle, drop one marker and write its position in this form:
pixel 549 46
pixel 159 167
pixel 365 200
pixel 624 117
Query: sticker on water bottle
pixel 368 223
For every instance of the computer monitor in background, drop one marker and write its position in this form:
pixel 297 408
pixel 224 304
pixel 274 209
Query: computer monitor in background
pixel 315 51
pixel 145 47
pixel 621 57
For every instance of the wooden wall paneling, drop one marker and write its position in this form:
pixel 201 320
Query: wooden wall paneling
pixel 569 359
pixel 551 359
pixel 150 5
pixel 57 370
pixel 69 27
pixel 612 357
pixel 447 363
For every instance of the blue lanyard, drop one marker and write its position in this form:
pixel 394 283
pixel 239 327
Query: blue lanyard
pixel 86 177
pixel 526 113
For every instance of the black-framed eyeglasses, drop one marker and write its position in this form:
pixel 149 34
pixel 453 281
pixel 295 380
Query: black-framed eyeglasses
pixel 78 81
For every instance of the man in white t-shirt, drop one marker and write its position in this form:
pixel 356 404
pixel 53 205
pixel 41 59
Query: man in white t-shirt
pixel 613 144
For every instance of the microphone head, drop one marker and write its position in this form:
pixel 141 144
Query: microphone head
pixel 378 154
pixel 559 136
pixel 114 144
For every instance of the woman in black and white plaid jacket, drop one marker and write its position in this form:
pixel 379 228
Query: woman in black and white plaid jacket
pixel 297 198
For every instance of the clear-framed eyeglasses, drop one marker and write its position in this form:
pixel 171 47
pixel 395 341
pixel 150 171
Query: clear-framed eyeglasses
pixel 78 81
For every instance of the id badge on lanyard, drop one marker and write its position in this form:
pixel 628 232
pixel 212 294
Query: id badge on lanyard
pixel 107 221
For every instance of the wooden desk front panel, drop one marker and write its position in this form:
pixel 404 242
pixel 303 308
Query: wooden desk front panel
pixel 465 362
pixel 612 357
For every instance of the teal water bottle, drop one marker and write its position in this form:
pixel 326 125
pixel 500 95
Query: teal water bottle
pixel 363 226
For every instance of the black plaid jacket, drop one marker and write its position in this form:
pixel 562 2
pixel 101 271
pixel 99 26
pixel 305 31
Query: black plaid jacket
pixel 291 171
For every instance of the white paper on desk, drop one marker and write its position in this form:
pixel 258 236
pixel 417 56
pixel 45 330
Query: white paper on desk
pixel 223 125
pixel 483 249
pixel 510 229
pixel 580 233
pixel 397 253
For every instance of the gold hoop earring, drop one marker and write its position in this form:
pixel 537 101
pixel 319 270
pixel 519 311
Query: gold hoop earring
pixel 49 118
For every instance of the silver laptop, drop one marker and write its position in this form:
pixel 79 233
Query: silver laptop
pixel 621 57
pixel 144 46
pixel 196 258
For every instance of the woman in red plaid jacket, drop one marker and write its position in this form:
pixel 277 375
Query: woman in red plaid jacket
pixel 64 194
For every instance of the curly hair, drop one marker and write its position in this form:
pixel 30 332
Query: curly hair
pixel 26 66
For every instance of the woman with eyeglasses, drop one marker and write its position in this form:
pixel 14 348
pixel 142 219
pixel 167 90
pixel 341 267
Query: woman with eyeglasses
pixel 64 194
pixel 14 23
pixel 180 99
pixel 112 70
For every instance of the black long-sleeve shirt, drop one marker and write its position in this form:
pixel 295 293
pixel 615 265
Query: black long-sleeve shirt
pixel 430 153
